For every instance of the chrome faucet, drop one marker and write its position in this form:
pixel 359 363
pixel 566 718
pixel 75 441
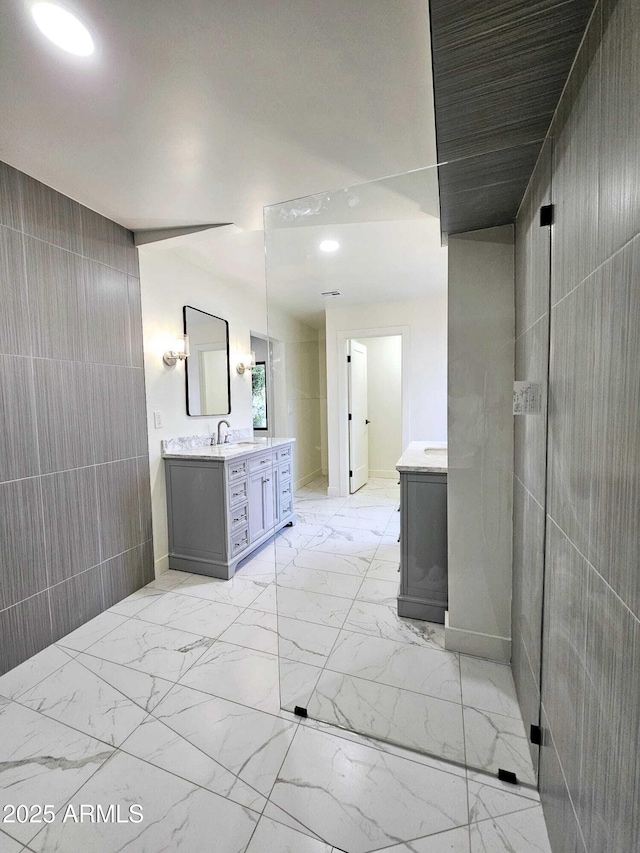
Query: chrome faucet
pixel 226 438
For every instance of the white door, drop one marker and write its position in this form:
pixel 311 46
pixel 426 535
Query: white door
pixel 358 411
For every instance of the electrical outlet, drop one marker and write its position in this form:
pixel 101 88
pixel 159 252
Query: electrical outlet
pixel 157 420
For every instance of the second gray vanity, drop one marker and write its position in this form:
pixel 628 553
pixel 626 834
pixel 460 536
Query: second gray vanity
pixel 423 532
pixel 225 501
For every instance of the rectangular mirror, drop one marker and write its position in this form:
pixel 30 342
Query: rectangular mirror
pixel 207 374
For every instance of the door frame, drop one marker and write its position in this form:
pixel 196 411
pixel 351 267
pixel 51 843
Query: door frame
pixel 342 339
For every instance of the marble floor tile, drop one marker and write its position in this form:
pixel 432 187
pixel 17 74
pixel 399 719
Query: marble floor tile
pixel 32 671
pixel 297 683
pixel 494 741
pixel 8 845
pixel 266 601
pixel 91 631
pixel 254 629
pixel 304 641
pixel 79 698
pixel 248 743
pixel 378 620
pixel 178 815
pixel 492 781
pixel 274 812
pixel 384 570
pixel 375 525
pixel 319 580
pixel 273 837
pixel 339 563
pixel 376 515
pixel 389 549
pixel 318 505
pixel 237 591
pixel 242 675
pixel 380 591
pixel 489 686
pixel 449 841
pixel 360 799
pixel 169 579
pixel 196 615
pixel 316 518
pixel 155 742
pixel 423 670
pixel 346 541
pixel 488 801
pixel 312 606
pixel 137 601
pixel 42 761
pixel 263 569
pixel 154 649
pixel 522 832
pixel 143 689
pixel 389 748
pixel 407 719
pixel 371 500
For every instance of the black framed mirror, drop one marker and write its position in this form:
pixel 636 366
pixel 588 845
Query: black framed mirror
pixel 207 374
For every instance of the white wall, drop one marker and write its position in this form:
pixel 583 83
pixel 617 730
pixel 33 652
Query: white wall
pixel 297 392
pixel 481 372
pixel 168 281
pixel 423 325
pixel 384 392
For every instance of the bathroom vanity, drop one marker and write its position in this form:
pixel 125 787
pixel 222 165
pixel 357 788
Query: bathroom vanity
pixel 225 501
pixel 423 532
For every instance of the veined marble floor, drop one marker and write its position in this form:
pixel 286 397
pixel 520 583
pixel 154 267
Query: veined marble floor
pixel 170 700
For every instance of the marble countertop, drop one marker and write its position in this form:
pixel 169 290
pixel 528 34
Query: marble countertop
pixel 424 456
pixel 220 452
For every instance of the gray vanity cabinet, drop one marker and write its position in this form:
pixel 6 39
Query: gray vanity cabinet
pixel 423 546
pixel 221 511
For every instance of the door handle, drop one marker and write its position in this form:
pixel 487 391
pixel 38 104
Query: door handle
pixel 367 422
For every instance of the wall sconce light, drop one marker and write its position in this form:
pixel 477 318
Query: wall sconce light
pixel 179 352
pixel 248 364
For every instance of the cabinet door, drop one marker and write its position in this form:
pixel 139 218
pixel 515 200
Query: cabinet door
pixel 424 537
pixel 257 520
pixel 269 503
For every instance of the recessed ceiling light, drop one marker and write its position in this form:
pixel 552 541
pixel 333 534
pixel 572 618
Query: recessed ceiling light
pixel 329 246
pixel 63 28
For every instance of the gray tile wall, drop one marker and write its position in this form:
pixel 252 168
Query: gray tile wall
pixel 590 685
pixel 75 515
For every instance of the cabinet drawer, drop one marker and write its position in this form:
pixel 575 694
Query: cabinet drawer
pixel 239 540
pixel 237 469
pixel 285 491
pixel 260 463
pixel 286 507
pixel 239 516
pixel 237 492
pixel 285 470
pixel 283 453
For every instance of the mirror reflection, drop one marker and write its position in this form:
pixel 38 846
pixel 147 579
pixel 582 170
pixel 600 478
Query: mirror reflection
pixel 207 373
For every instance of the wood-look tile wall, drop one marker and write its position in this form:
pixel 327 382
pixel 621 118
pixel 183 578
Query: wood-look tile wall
pixel 590 685
pixel 75 518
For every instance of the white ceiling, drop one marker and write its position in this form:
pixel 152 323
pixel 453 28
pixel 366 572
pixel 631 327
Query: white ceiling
pixel 204 111
pixel 389 248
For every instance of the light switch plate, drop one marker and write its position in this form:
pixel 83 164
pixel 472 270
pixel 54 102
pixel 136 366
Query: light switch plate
pixel 157 420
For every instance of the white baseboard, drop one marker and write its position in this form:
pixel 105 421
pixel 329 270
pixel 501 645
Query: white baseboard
pixel 333 492
pixel 307 479
pixel 391 474
pixel 161 565
pixel 473 643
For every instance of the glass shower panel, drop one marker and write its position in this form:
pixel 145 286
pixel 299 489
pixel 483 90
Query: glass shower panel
pixel 346 265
